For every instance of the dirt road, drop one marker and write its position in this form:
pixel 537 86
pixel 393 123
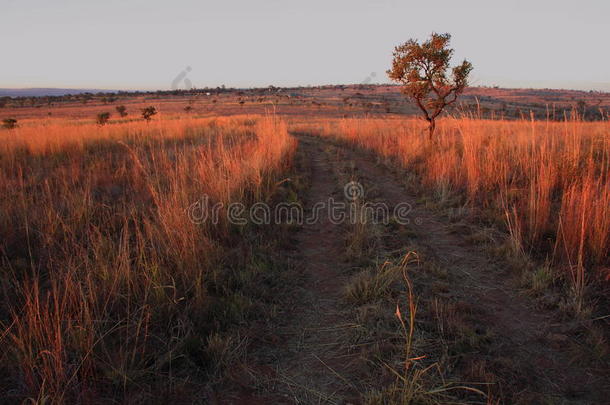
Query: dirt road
pixel 478 325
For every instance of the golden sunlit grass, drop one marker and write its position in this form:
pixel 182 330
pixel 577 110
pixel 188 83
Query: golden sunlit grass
pixel 104 277
pixel 110 291
pixel 547 183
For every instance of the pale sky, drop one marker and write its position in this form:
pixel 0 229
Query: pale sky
pixel 146 44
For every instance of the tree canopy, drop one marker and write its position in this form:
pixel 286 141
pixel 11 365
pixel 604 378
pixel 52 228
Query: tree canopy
pixel 425 75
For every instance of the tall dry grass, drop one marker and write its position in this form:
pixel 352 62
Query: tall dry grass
pixel 547 182
pixel 103 276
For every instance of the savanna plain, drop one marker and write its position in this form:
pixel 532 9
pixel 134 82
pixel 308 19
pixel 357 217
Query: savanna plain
pixel 493 289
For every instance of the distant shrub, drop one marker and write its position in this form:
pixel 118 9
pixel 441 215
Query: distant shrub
pixel 102 118
pixel 122 110
pixel 9 123
pixel 188 108
pixel 148 112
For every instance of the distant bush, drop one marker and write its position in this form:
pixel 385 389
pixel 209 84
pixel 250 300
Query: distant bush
pixel 102 118
pixel 9 123
pixel 188 108
pixel 122 110
pixel 148 112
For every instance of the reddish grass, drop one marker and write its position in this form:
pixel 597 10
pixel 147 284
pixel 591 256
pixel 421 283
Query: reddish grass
pixel 104 277
pixel 547 183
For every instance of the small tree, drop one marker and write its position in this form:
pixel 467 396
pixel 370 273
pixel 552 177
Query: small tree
pixel 422 71
pixel 102 118
pixel 148 112
pixel 188 108
pixel 9 123
pixel 122 110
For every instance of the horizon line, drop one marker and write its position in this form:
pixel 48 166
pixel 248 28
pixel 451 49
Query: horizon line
pixel 195 88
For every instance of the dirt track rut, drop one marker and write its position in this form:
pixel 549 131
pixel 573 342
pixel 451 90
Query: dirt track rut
pixel 311 363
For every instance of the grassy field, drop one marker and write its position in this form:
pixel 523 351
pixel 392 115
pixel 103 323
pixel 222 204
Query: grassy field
pixel 546 184
pixel 494 292
pixel 105 279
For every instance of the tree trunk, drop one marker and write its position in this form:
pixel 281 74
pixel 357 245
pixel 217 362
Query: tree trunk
pixel 431 127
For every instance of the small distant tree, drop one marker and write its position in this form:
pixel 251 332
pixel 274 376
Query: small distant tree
pixel 102 118
pixel 122 110
pixel 148 112
pixel 422 69
pixel 9 123
pixel 188 108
